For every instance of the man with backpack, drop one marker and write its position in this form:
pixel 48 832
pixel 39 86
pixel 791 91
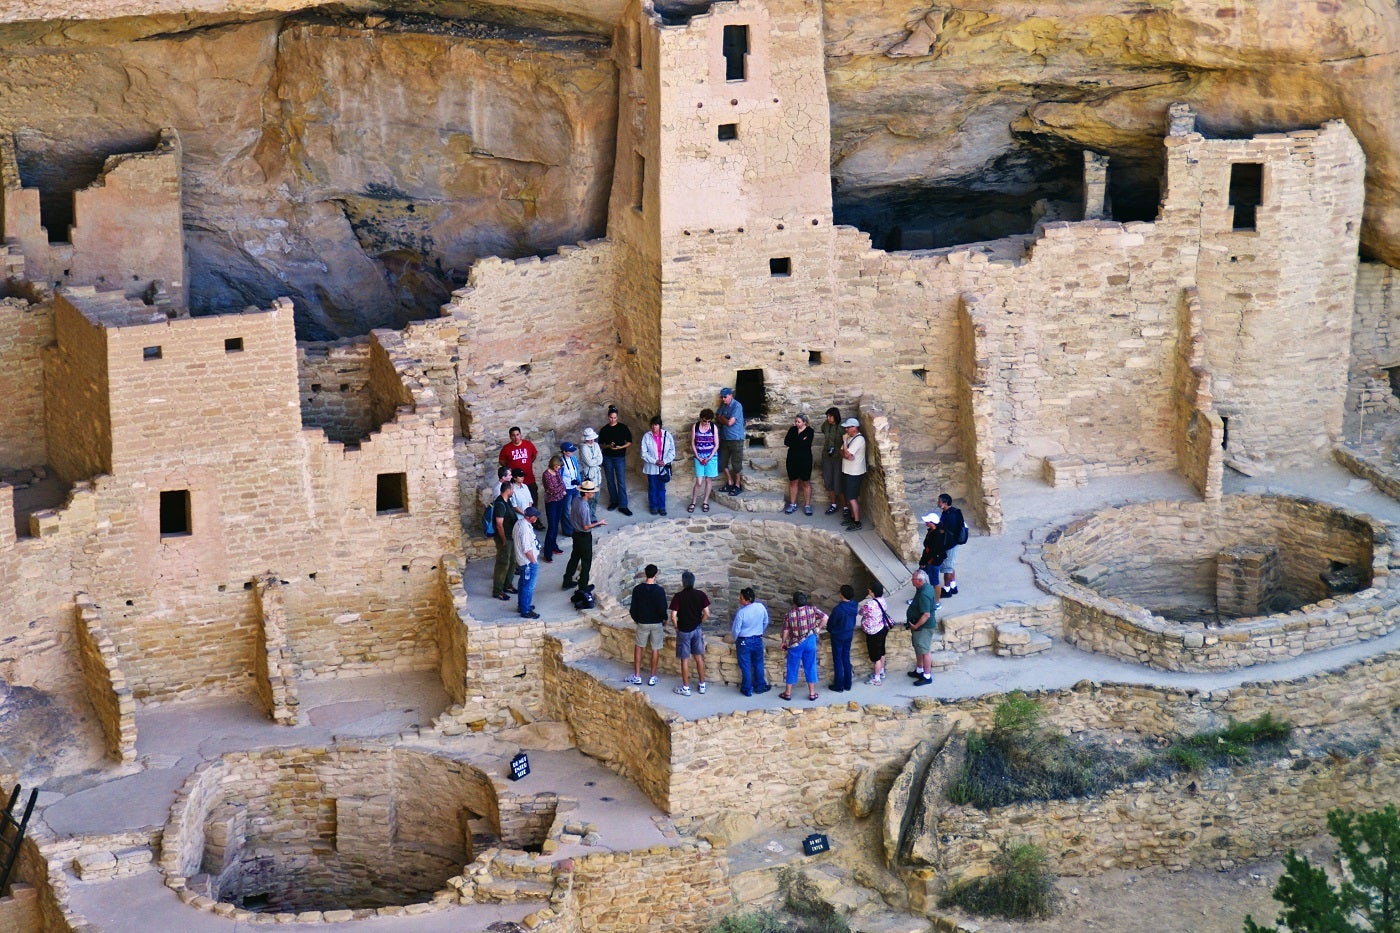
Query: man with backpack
pixel 502 520
pixel 954 534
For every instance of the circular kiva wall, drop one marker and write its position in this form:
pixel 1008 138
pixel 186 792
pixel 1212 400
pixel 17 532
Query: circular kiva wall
pixel 773 557
pixel 321 829
pixel 1227 583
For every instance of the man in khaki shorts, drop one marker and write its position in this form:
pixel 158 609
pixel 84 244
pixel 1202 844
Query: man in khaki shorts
pixel 649 608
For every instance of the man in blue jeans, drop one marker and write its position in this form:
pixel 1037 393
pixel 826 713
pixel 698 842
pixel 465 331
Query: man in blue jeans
pixel 527 555
pixel 615 437
pixel 750 622
pixel 841 626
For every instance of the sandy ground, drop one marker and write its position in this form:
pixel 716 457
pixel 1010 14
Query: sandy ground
pixel 1166 902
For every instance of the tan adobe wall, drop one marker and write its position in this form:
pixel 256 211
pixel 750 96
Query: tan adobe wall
pixel 333 379
pixel 76 414
pixel 25 329
pixel 1198 426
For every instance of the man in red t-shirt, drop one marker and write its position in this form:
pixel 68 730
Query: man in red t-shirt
pixel 521 453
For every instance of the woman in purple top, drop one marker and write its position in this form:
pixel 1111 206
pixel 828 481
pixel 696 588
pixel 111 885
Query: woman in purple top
pixel 556 497
pixel 704 440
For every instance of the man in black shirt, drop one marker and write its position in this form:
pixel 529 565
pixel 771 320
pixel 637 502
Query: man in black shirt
pixel 649 612
pixel 954 528
pixel 615 437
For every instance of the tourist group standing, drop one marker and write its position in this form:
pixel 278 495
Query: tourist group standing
pixel 576 475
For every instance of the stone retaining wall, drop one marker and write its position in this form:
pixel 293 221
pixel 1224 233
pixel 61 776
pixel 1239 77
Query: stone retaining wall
pixel 1215 819
pixel 329 829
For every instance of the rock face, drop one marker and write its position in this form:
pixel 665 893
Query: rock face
pixel 360 164
pixel 358 167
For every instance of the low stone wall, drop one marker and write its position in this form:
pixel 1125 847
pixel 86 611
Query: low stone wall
pixel 107 689
pixel 683 888
pixel 1215 819
pixel 1151 542
pixel 273 669
pixel 618 727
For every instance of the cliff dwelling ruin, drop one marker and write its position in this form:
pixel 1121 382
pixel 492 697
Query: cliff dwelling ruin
pixel 278 280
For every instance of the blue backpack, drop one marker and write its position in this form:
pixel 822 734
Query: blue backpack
pixel 488 520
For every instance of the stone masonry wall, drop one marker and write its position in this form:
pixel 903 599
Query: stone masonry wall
pixel 1294 273
pixel 1375 343
pixel 1225 817
pixel 75 385
pixel 511 349
pixel 690 881
pixel 25 329
pixel 333 378
pixel 106 684
pixel 1199 428
pixel 621 729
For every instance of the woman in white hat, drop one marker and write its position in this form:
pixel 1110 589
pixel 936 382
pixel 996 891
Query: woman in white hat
pixel 590 456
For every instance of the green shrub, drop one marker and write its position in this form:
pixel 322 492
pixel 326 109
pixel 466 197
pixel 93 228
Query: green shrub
pixel 1237 743
pixel 1369 847
pixel 1020 887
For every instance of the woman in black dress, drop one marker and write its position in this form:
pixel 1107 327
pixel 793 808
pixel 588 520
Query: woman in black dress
pixel 799 464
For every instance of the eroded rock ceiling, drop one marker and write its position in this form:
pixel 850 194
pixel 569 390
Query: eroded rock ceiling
pixel 359 158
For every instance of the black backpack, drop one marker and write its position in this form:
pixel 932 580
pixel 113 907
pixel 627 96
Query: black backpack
pixel 583 598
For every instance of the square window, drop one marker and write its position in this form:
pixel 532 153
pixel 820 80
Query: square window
pixel 150 353
pixel 728 131
pixel 174 513
pixel 233 345
pixel 780 266
pixel 814 357
pixel 391 493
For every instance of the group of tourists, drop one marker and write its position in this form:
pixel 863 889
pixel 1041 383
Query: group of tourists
pixel 575 476
pixel 688 611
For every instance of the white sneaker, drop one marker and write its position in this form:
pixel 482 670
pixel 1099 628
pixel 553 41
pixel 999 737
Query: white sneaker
pixel 682 690
pixel 634 679
pixel 651 681
pixel 703 686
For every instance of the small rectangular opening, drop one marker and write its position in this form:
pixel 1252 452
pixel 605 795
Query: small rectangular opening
pixel 736 52
pixel 174 512
pixel 56 215
pixel 233 344
pixel 750 391
pixel 150 353
pixel 728 131
pixel 1246 193
pixel 640 182
pixel 637 47
pixel 391 493
pixel 780 266
pixel 814 357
